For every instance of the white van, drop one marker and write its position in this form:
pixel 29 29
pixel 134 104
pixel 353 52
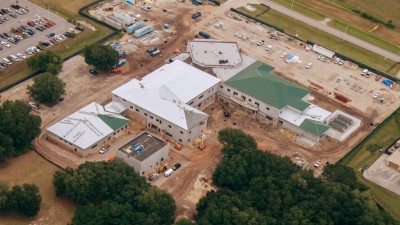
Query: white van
pixel 168 172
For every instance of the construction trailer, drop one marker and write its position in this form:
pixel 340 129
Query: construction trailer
pixel 323 51
pixel 143 31
pixel 136 26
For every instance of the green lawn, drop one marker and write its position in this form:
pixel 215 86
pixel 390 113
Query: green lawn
pixel 342 16
pixel 365 36
pixel 301 9
pixel 306 32
pixel 68 10
pixel 360 156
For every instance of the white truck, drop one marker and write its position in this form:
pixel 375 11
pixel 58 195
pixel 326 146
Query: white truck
pixel 168 172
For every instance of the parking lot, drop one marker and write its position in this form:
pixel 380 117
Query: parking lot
pixel 383 175
pixel 34 12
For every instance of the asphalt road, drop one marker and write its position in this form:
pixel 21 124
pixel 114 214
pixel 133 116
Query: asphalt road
pixel 61 25
pixel 322 26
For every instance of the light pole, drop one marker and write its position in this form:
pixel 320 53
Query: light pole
pixel 345 33
pixel 291 6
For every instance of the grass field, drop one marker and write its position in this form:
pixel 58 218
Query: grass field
pixel 32 168
pixel 68 10
pixel 306 32
pixel 360 156
pixel 342 16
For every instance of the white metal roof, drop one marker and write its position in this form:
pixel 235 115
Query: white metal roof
pixel 184 81
pixel 84 128
pixel 323 51
pixel 166 91
pixel 313 112
pixel 208 53
pixel 115 107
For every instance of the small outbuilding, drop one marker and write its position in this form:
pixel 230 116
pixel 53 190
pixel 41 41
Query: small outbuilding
pixel 393 161
pixel 144 152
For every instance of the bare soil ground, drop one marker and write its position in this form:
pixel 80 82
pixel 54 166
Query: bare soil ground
pixel 32 168
pixel 193 179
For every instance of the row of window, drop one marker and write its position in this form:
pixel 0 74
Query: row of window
pixel 243 97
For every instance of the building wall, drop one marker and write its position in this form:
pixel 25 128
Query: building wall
pixel 263 109
pixel 201 100
pixel 157 158
pixel 158 124
pixel 393 165
pixel 298 130
pixel 143 167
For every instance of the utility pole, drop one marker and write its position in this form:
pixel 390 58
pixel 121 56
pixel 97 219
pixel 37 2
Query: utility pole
pixel 291 6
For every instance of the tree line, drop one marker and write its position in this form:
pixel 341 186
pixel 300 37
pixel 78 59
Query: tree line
pixel 112 193
pixel 260 188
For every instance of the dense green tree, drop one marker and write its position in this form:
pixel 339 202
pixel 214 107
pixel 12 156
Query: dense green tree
pixel 112 193
pixel 24 200
pixel 6 147
pixel 260 188
pixel 184 222
pixel 46 61
pixel 47 88
pixel 157 203
pixel 234 140
pixel 18 127
pixel 4 189
pixel 342 174
pixel 106 213
pixel 103 57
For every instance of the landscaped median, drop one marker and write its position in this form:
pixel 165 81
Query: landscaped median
pixel 306 33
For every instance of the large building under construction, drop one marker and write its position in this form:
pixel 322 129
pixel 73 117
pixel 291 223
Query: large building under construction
pixel 169 100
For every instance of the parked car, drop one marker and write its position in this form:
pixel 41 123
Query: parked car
pixel 33 105
pixel 204 35
pixel 268 48
pixel 308 66
pixel 153 176
pixel 196 15
pixel 155 52
pixel 176 166
pixel 104 149
pixel 93 72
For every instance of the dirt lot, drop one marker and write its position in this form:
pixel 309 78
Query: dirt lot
pixel 192 181
pixel 32 168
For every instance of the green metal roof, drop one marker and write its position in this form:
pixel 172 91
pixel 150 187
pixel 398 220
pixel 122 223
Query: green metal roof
pixel 113 122
pixel 259 81
pixel 314 127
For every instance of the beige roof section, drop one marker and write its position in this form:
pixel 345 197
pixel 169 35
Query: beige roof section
pixel 394 157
